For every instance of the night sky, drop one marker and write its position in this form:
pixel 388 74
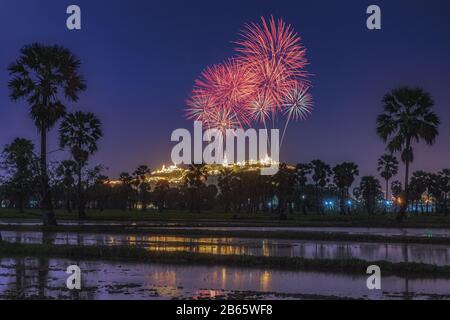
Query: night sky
pixel 140 60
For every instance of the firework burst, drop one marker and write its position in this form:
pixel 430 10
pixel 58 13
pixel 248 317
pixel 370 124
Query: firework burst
pixel 298 103
pixel 260 109
pixel 273 52
pixel 266 78
pixel 199 108
pixel 230 86
pixel 223 119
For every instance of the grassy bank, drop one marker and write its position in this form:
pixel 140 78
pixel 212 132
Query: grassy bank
pixel 135 254
pixel 289 235
pixel 266 219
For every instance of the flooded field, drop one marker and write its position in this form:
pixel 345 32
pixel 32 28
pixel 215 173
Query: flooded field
pixel 415 232
pixel 420 253
pixel 242 226
pixel 46 278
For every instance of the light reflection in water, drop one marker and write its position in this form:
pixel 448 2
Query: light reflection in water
pixel 45 278
pixel 421 253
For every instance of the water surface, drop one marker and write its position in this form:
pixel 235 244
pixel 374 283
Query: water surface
pixel 393 252
pixel 43 278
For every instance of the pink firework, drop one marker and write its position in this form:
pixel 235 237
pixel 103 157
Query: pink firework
pixel 273 52
pixel 266 79
pixel 223 119
pixel 260 109
pixel 199 108
pixel 230 86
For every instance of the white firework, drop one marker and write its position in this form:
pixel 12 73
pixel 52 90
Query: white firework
pixel 298 103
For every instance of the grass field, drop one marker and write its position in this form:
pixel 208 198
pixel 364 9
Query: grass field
pixel 295 219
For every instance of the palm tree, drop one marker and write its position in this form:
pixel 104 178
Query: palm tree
pixel 387 167
pixel 43 75
pixel 19 162
pixel 302 171
pixel 224 183
pixel 160 193
pixel 126 190
pixel 65 172
pixel 344 175
pixel 80 132
pixel 370 191
pixel 440 189
pixel 195 178
pixel 407 117
pixel 419 184
pixel 100 191
pixel 284 184
pixel 142 185
pixel 320 175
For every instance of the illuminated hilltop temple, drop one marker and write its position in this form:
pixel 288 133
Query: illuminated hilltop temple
pixel 175 174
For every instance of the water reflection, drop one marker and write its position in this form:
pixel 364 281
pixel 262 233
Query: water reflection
pixel 420 253
pixel 242 226
pixel 26 278
pixel 414 232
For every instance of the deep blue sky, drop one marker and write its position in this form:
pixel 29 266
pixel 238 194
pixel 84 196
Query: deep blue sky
pixel 140 59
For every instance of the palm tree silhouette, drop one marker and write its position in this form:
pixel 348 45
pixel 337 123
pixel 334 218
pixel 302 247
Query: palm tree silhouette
pixel 320 175
pixel 407 118
pixel 195 178
pixel 43 75
pixel 387 167
pixel 80 132
pixel 142 185
pixel 19 160
pixel 302 171
pixel 370 191
pixel 160 193
pixel 126 190
pixel 65 172
pixel 344 175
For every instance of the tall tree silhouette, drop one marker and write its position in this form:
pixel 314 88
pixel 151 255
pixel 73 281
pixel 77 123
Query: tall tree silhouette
pixel 19 162
pixel 387 167
pixel 195 178
pixel 44 76
pixel 302 170
pixel 320 175
pixel 80 132
pixel 408 117
pixel 343 177
pixel 370 191
pixel 65 172
pixel 126 190
pixel 142 185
